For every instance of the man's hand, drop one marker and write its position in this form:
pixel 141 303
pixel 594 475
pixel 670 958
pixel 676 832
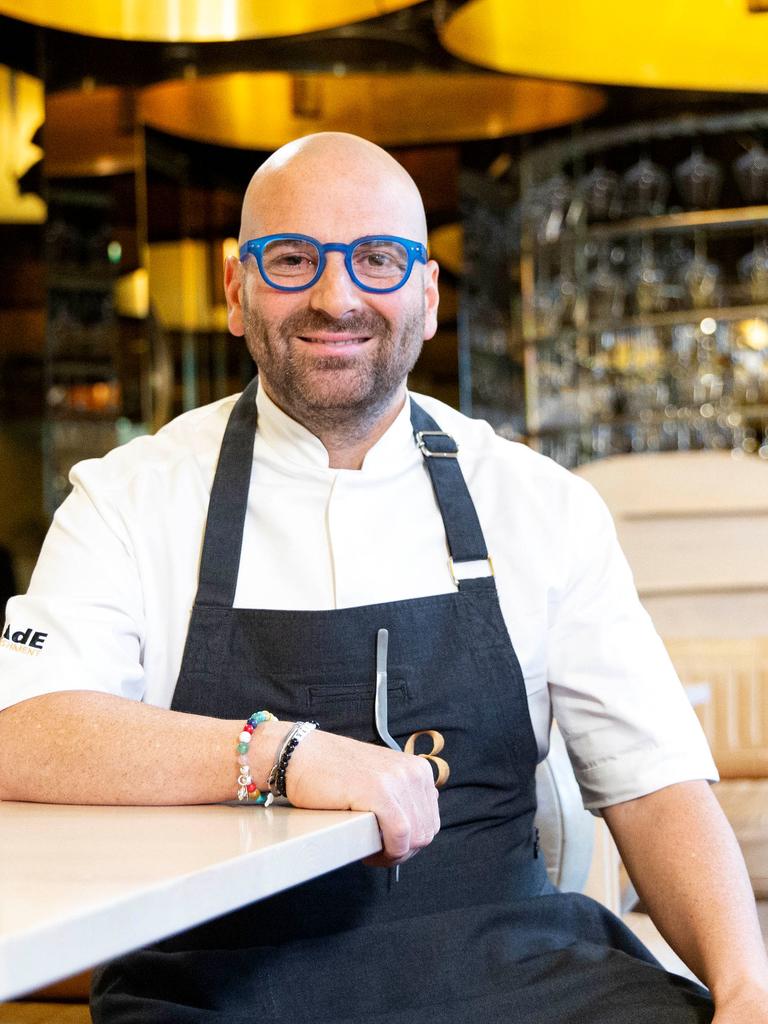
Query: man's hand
pixel 337 773
pixel 109 750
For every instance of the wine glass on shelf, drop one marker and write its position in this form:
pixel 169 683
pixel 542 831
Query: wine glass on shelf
pixel 644 188
pixel 751 173
pixel 547 207
pixel 701 277
pixel 606 292
pixel 699 180
pixel 753 269
pixel 648 280
pixel 600 192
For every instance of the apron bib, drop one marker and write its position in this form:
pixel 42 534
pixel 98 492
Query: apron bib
pixel 473 929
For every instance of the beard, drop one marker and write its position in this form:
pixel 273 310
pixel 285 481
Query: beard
pixel 334 392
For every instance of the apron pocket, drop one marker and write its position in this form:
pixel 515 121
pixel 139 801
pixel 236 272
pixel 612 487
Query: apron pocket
pixel 341 702
pixel 325 696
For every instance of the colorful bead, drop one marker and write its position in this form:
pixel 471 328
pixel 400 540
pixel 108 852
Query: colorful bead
pixel 260 716
pixel 247 790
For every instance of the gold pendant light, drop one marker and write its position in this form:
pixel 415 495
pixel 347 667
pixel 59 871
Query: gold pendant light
pixel 710 44
pixel 263 110
pixel 196 21
pixel 21 114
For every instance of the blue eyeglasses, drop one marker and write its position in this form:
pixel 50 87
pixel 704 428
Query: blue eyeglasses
pixel 376 263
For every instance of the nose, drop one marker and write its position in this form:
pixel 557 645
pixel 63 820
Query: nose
pixel 335 293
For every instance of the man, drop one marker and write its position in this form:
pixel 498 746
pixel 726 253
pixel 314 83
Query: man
pixel 329 507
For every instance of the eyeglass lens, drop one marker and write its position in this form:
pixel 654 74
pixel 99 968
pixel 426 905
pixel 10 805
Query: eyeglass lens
pixel 293 262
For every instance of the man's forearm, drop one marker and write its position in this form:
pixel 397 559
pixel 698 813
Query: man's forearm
pixel 683 858
pixel 95 748
pixel 80 747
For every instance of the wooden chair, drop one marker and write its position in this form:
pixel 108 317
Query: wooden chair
pixel 63 1003
pixel 694 528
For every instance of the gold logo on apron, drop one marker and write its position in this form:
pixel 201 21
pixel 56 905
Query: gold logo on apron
pixel 441 766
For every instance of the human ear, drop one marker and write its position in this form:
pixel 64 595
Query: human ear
pixel 431 299
pixel 233 290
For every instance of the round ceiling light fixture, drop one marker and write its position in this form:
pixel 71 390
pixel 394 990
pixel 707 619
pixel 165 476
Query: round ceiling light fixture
pixel 716 45
pixel 264 110
pixel 196 21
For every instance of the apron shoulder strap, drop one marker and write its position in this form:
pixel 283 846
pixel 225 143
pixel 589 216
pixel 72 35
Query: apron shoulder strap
pixel 220 560
pixel 462 527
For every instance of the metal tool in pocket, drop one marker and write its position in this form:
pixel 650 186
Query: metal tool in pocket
pixel 381 707
pixel 380 703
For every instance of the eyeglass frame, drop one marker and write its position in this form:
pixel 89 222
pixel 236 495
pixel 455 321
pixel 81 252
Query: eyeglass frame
pixel 415 251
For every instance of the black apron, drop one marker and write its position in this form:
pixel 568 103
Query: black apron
pixel 473 930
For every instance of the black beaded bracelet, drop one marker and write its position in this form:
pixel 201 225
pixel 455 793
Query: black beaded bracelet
pixel 291 741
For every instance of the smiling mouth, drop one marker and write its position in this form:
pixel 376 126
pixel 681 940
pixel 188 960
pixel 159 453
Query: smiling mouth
pixel 333 339
pixel 334 344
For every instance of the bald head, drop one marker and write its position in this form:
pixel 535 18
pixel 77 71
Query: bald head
pixel 333 353
pixel 335 187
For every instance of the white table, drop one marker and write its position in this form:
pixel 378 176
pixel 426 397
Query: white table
pixel 79 885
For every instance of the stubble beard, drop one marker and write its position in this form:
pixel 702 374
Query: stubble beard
pixel 334 394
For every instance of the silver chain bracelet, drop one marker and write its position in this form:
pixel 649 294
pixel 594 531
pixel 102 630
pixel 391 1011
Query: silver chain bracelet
pixel 292 740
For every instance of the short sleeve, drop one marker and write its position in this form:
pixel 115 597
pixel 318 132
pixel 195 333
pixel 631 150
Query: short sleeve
pixel 625 717
pixel 80 625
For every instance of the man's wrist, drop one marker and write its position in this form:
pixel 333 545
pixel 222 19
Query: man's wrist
pixel 261 755
pixel 740 988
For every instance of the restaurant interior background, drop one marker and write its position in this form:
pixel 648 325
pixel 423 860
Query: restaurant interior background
pixel 596 183
pixel 601 227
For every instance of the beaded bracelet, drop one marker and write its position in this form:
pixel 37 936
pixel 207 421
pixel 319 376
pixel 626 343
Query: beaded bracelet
pixel 289 744
pixel 246 787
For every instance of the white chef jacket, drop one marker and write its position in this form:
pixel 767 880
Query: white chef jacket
pixel 109 602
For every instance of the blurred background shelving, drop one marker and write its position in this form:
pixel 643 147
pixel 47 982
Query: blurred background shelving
pixel 632 314
pixel 595 300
